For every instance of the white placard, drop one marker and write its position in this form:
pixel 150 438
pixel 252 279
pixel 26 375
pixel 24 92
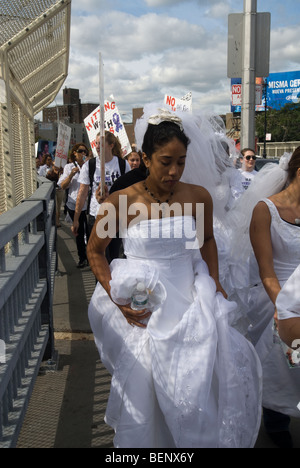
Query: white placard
pixel 184 104
pixel 112 123
pixel 236 90
pixel 62 147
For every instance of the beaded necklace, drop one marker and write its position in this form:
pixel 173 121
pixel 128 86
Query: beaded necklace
pixel 157 199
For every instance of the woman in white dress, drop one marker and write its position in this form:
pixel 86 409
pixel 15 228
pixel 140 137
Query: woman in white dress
pixel 181 376
pixel 288 314
pixel 275 237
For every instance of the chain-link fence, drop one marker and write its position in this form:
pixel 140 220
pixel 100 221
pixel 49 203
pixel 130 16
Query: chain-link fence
pixel 34 56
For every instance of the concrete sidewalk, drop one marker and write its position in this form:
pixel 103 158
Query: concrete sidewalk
pixel 68 403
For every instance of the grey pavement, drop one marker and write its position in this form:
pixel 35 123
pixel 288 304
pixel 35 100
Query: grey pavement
pixel 68 403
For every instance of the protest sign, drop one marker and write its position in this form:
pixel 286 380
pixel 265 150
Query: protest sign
pixel 112 123
pixel 236 91
pixel 62 147
pixel 184 104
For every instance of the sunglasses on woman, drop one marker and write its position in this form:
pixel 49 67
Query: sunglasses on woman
pixel 250 157
pixel 82 151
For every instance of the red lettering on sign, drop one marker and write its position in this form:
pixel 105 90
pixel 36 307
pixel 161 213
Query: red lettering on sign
pixel 109 105
pixel 170 101
pixel 236 89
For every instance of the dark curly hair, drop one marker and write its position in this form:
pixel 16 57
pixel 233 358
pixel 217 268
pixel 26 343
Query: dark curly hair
pixel 161 134
pixel 72 155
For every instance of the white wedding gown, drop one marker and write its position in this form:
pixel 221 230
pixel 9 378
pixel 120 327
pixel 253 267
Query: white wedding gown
pixel 188 379
pixel 281 384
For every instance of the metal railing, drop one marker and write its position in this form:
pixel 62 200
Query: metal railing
pixel 28 263
pixel 277 149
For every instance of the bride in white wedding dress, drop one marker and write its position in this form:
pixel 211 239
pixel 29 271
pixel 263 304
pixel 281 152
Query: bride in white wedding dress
pixel 181 376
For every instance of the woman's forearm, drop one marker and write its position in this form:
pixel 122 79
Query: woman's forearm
pixel 210 256
pixel 81 198
pixel 100 267
pixel 271 285
pixel 289 331
pixel 66 182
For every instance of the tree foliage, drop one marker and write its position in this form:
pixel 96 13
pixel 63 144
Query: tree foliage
pixel 283 124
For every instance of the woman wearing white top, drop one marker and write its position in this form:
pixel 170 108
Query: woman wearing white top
pixel 46 165
pixel 275 237
pixel 69 180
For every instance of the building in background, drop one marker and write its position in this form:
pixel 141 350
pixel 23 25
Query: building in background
pixel 72 111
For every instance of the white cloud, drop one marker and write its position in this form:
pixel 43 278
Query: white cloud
pixel 285 49
pixel 176 47
pixel 159 3
pixel 90 6
pixel 219 10
pixel 126 37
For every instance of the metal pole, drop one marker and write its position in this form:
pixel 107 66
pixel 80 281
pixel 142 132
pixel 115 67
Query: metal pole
pixel 101 124
pixel 248 75
pixel 265 95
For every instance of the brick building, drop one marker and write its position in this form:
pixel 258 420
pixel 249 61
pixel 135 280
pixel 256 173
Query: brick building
pixel 72 111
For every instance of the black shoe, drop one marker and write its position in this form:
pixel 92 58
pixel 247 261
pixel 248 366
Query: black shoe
pixel 281 439
pixel 82 263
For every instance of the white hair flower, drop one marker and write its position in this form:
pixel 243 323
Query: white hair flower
pixel 163 116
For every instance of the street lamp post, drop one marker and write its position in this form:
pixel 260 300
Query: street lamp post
pixel 248 74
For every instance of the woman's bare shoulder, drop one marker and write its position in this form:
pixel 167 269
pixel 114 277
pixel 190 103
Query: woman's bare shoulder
pixel 196 191
pixel 261 211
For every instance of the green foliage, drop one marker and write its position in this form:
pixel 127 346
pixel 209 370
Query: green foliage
pixel 283 124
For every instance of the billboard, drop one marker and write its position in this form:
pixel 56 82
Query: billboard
pixel 45 147
pixel 283 88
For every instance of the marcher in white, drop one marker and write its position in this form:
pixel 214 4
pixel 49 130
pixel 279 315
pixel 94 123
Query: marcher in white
pixel 248 167
pixel 181 376
pixel 69 180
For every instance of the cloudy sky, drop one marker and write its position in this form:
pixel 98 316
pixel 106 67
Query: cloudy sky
pixel 155 47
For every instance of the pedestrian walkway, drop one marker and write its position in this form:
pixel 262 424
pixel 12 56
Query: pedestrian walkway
pixel 68 403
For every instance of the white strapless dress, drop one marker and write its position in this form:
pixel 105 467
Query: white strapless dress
pixel 188 379
pixel 281 384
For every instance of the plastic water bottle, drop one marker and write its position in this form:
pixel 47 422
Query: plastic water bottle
pixel 139 298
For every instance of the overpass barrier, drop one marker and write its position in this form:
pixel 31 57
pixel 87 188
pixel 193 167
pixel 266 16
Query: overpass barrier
pixel 28 261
